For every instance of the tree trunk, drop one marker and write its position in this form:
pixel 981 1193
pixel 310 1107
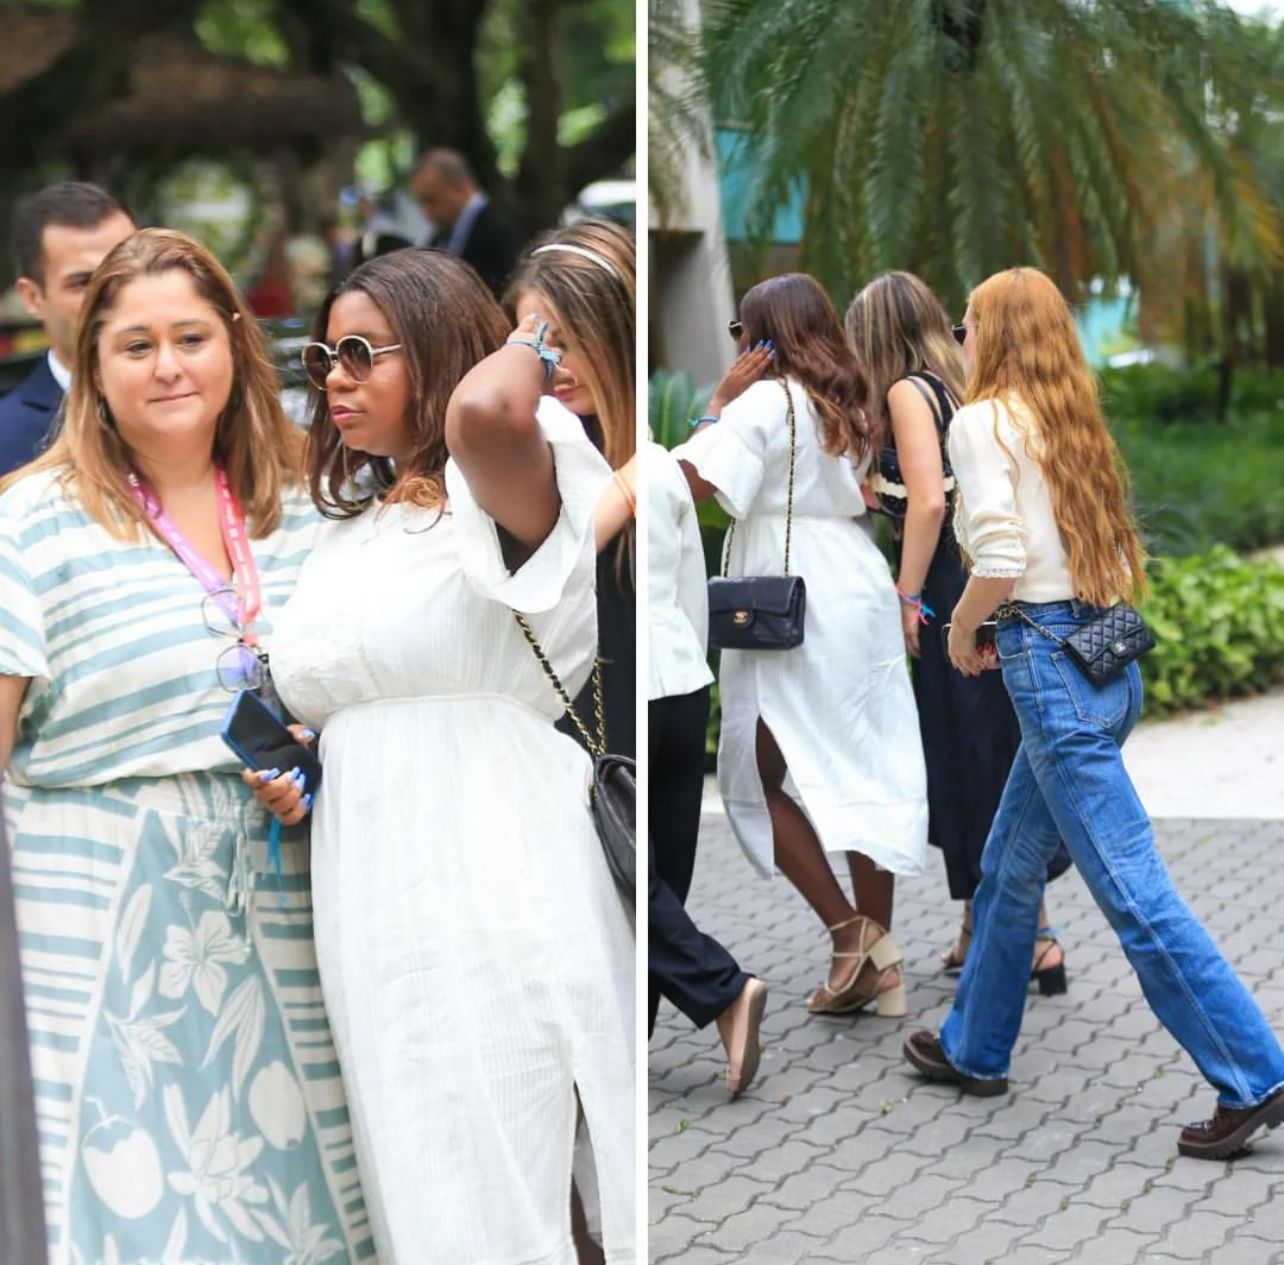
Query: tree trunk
pixel 540 186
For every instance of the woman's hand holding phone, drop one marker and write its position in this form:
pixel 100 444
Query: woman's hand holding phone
pixel 965 654
pixel 283 795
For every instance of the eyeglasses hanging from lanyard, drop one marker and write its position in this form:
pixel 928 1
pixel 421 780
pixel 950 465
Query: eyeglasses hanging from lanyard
pixel 228 610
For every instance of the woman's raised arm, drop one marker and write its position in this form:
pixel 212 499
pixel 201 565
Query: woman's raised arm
pixel 495 439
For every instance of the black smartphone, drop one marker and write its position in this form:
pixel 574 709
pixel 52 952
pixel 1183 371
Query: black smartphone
pixel 985 635
pixel 261 741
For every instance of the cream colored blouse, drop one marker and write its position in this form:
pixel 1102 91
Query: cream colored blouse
pixel 1003 511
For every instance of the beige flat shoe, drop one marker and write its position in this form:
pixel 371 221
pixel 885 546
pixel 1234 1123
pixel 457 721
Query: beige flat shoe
pixel 740 1036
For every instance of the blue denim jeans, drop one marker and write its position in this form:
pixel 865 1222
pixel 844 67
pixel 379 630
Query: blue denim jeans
pixel 1068 781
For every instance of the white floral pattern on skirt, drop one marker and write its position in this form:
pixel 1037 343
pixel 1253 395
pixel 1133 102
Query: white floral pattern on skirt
pixel 188 1096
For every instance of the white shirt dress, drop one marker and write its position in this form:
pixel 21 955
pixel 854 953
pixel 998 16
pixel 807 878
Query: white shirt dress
pixel 840 705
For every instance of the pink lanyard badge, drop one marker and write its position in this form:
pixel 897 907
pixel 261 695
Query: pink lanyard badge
pixel 243 609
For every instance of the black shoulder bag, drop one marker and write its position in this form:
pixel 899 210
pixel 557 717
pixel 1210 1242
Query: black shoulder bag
pixel 613 795
pixel 1102 648
pixel 760 612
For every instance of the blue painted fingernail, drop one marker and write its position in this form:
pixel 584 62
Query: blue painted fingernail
pixel 308 733
pixel 307 802
pixel 266 775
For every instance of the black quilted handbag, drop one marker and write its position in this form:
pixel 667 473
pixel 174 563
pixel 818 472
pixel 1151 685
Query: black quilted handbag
pixel 613 794
pixel 760 612
pixel 1103 648
pixel 1110 643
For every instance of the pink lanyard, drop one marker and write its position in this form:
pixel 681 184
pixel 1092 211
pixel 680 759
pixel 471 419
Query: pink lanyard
pixel 242 610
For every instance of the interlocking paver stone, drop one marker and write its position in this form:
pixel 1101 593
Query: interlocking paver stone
pixel 838 1155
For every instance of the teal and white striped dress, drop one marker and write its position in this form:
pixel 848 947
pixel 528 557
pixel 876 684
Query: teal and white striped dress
pixel 188 1096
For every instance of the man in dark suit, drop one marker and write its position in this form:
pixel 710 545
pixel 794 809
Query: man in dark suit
pixel 465 223
pixel 60 235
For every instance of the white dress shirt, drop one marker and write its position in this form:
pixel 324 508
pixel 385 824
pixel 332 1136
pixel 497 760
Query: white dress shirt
pixel 677 586
pixel 61 374
pixel 1003 515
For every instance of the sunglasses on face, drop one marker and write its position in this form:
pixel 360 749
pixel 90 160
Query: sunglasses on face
pixel 352 353
pixel 960 333
pixel 735 328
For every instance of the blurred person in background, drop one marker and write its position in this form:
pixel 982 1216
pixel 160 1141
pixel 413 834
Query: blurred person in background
pixel 465 224
pixel 59 236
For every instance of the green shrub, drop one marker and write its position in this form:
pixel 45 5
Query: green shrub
pixel 1199 484
pixel 1158 393
pixel 1218 622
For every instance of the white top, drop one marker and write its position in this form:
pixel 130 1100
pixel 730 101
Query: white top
pixel 1003 515
pixel 840 705
pixel 677 586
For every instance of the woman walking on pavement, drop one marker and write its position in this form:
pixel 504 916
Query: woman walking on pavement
pixel 687 966
pixel 1042 518
pixel 970 732
pixel 834 715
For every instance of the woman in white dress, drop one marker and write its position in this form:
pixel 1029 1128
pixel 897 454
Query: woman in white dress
pixel 475 957
pixel 835 716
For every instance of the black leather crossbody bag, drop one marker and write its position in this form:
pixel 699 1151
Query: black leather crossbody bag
pixel 760 612
pixel 613 795
pixel 1102 648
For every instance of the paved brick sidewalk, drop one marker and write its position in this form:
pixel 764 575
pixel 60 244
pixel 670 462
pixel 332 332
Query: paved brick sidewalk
pixel 838 1155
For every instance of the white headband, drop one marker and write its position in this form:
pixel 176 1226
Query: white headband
pixel 583 253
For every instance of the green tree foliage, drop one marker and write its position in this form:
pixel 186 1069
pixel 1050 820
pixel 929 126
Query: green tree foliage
pixel 957 137
pixel 429 73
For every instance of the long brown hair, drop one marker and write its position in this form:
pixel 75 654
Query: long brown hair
pixel 1027 347
pixel 592 305
pixel 797 317
pixel 446 321
pixel 260 449
pixel 899 329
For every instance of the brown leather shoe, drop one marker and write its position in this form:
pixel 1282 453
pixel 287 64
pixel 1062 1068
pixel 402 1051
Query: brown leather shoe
pixel 1230 1129
pixel 924 1051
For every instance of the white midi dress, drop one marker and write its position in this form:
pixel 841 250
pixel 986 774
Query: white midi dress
pixel 475 957
pixel 840 706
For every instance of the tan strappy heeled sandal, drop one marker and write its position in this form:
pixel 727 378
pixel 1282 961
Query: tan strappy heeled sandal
pixel 849 997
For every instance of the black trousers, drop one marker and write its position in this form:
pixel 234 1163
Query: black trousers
pixel 688 967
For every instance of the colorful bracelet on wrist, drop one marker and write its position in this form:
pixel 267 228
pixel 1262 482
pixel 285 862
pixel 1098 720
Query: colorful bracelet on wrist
pixel 925 613
pixel 700 421
pixel 550 357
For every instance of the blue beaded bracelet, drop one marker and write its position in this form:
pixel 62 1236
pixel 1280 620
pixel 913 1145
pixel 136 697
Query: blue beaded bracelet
pixel 549 355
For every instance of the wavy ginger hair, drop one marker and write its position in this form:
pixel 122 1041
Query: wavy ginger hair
pixel 1026 346
pixel 260 450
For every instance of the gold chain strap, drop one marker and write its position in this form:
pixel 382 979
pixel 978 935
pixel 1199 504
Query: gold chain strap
pixel 596 747
pixel 789 511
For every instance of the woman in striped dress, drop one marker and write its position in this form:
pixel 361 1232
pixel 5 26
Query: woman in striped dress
pixel 187 1093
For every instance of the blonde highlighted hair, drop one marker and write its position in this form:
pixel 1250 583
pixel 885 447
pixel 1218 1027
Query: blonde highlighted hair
pixel 1026 346
pixel 900 329
pixel 590 298
pixel 260 450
